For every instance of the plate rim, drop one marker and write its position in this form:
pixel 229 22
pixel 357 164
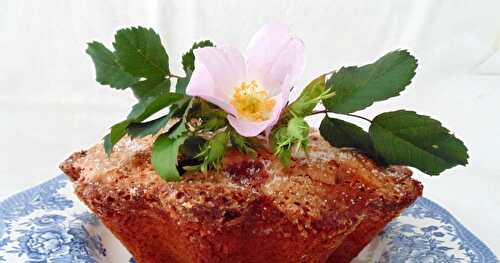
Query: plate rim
pixel 465 234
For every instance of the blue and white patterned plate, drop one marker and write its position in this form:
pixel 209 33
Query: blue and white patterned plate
pixel 49 224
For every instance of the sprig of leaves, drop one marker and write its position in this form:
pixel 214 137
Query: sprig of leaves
pixel 200 133
pixel 140 62
pixel 359 87
pixel 313 93
pixel 398 137
pixel 285 138
pixel 213 151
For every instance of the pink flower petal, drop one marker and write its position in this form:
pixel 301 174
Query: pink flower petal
pixel 203 85
pixel 272 54
pixel 289 64
pixel 275 59
pixel 285 94
pixel 226 65
pixel 248 128
pixel 217 71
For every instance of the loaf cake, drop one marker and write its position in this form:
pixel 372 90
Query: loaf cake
pixel 324 207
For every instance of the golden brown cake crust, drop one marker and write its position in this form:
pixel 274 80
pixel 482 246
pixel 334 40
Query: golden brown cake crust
pixel 325 207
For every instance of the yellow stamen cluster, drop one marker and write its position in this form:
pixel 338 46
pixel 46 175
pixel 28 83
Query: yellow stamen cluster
pixel 252 102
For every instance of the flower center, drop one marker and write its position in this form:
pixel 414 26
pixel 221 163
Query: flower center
pixel 252 102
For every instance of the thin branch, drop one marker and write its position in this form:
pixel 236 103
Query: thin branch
pixel 347 114
pixel 357 116
pixel 318 112
pixel 174 76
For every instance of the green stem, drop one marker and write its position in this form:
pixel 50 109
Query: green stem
pixel 174 76
pixel 347 114
pixel 357 116
pixel 318 112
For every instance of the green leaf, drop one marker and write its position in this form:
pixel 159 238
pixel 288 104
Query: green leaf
pixel 213 124
pixel 340 133
pixel 140 52
pixel 298 129
pixel 180 127
pixel 281 144
pixel 151 88
pixel 164 156
pixel 108 71
pixel 213 118
pixel 217 147
pixel 213 151
pixel 285 155
pixel 180 86
pixel 117 132
pixel 404 137
pixel 308 99
pixel 243 144
pixel 359 87
pixel 147 128
pixel 188 58
pixel 150 105
pixel 154 126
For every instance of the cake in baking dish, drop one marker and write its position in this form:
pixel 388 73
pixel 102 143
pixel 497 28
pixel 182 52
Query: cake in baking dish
pixel 324 207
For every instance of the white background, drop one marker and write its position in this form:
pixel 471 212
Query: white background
pixel 50 104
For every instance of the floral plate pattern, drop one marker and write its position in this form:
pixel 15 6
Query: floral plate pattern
pixel 48 223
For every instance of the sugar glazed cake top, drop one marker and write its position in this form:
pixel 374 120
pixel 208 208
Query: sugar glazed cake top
pixel 309 208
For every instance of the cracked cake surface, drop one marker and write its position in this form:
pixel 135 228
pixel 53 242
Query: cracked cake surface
pixel 325 207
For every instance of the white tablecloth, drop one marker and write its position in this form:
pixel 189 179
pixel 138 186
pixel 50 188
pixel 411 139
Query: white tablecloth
pixel 50 104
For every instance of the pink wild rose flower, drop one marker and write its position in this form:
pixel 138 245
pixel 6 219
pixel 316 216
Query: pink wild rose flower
pixel 253 91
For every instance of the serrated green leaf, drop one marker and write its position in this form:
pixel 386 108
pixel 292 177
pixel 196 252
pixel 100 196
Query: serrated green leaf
pixel 243 144
pixel 180 127
pixel 117 132
pixel 150 105
pixel 281 144
pixel 213 151
pixel 188 58
pixel 285 155
pixel 108 71
pixel 359 87
pixel 213 124
pixel 217 147
pixel 404 137
pixel 340 133
pixel 164 156
pixel 213 118
pixel 140 52
pixel 151 88
pixel 154 126
pixel 308 99
pixel 298 129
pixel 147 128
